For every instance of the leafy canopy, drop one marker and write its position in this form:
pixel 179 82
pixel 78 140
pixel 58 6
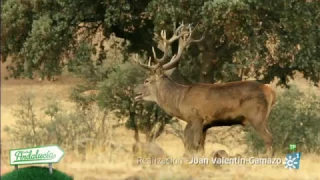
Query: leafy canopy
pixel 261 39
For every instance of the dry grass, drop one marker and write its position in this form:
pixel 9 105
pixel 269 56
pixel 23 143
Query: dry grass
pixel 117 164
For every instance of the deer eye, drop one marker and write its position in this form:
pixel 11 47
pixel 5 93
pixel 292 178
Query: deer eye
pixel 146 81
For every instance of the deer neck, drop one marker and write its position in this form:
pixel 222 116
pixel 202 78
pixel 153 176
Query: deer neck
pixel 169 96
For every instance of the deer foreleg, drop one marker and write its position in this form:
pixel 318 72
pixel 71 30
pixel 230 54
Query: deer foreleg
pixel 193 136
pixel 202 141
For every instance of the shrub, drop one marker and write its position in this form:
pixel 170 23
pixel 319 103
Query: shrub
pixel 27 125
pixel 73 129
pixel 35 173
pixel 294 120
pixel 116 94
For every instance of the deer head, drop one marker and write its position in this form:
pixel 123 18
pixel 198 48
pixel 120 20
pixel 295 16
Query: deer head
pixel 148 91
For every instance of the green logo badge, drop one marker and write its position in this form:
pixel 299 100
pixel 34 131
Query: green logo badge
pixel 292 147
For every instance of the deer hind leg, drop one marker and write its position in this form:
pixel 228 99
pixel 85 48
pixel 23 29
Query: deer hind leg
pixel 258 121
pixel 269 143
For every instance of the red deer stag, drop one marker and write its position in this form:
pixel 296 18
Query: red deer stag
pixel 204 106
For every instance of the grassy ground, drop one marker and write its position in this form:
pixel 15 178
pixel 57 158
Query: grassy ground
pixel 117 164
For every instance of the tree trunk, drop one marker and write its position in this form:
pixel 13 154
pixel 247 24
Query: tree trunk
pixel 210 60
pixel 207 68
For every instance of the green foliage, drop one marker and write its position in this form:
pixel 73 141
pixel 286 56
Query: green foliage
pixel 82 101
pixel 36 173
pixel 117 89
pixel 294 120
pixel 38 40
pixel 128 20
pixel 81 64
pixel 116 94
pixel 261 39
pixel 251 38
pixel 46 32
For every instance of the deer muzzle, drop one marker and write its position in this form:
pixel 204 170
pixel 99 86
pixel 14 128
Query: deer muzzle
pixel 138 93
pixel 138 97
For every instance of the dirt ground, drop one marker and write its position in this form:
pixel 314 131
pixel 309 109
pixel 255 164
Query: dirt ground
pixel 117 164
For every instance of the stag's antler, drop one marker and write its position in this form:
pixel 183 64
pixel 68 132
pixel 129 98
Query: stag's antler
pixel 167 42
pixel 185 40
pixel 148 67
